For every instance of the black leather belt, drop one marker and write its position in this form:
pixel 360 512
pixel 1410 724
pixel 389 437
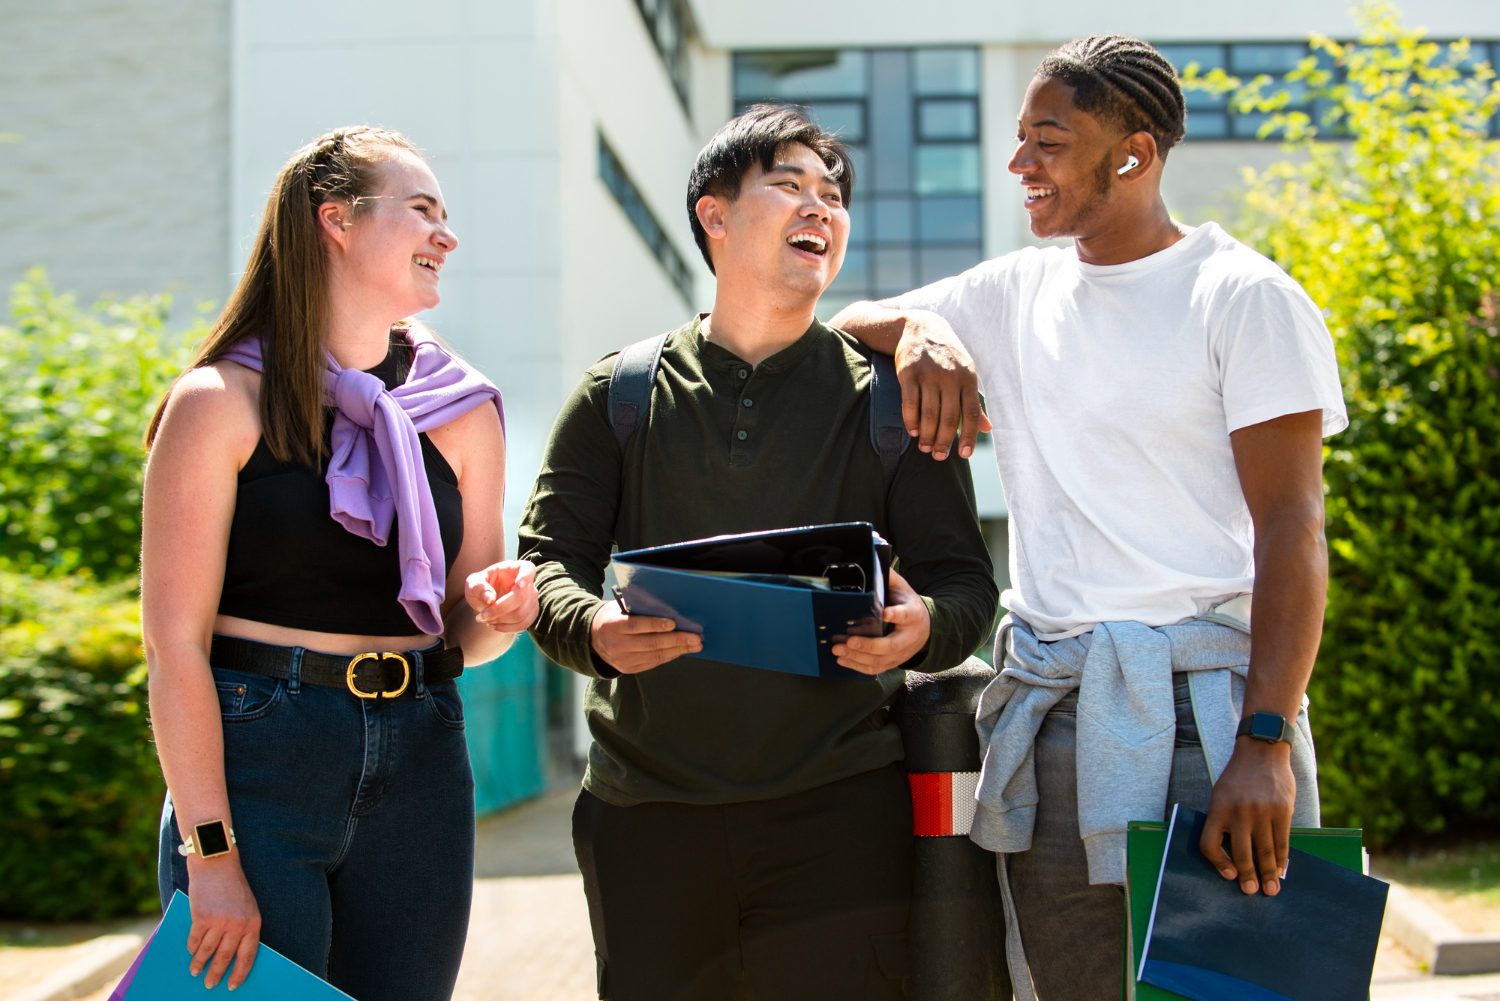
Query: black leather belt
pixel 367 675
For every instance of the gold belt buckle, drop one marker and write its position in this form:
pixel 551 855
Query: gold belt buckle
pixel 356 661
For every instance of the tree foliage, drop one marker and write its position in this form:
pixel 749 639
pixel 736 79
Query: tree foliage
pixel 1388 213
pixel 78 389
pixel 80 788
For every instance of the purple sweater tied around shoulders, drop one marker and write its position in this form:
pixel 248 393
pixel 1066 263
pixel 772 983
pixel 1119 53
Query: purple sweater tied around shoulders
pixel 376 472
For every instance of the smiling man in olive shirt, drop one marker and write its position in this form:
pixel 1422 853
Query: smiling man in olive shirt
pixel 747 833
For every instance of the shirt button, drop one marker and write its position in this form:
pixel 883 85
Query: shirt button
pixel 742 435
pixel 744 373
pixel 749 403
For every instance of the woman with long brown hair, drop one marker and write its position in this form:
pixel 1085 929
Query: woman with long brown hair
pixel 322 524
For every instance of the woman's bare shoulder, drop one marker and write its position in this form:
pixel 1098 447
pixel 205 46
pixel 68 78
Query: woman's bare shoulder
pixel 218 401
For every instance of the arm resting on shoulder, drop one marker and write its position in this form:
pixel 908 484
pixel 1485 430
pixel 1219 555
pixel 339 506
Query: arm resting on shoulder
pixel 1280 464
pixel 939 386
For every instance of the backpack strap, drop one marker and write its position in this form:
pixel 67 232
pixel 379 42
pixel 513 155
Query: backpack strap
pixel 630 386
pixel 887 429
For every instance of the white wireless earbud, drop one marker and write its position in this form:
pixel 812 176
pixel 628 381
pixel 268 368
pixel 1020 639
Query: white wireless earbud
pixel 1130 164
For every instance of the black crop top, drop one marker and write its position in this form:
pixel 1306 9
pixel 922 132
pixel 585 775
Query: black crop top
pixel 290 564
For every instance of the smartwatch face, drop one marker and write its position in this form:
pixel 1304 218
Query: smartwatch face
pixel 1266 726
pixel 212 839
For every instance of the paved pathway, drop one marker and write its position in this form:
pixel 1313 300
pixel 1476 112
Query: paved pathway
pixel 529 935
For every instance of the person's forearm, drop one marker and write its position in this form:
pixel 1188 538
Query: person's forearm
pixel 564 622
pixel 1291 586
pixel 189 733
pixel 479 642
pixel 873 325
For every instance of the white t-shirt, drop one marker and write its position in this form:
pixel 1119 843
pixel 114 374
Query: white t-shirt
pixel 1113 391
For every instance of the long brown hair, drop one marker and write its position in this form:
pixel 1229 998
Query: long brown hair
pixel 283 295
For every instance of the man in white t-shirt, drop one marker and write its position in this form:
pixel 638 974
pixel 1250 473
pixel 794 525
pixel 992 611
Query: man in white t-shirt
pixel 1159 395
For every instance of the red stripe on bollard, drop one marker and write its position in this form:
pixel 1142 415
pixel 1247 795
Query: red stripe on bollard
pixel 942 803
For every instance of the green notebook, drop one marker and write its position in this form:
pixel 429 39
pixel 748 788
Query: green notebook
pixel 1146 843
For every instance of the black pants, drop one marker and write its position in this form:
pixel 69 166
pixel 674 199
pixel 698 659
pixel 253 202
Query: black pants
pixel 803 897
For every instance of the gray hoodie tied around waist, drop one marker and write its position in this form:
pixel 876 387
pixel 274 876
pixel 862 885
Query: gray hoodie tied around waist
pixel 1127 727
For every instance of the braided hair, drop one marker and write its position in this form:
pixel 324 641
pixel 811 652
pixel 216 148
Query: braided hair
pixel 1123 81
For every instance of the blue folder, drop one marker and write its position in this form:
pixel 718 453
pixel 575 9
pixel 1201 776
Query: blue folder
pixel 161 971
pixel 756 599
pixel 1314 941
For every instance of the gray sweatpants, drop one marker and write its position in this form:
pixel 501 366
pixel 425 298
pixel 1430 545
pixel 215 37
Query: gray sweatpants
pixel 1074 933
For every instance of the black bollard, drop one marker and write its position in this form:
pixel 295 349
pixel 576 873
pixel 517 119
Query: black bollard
pixel 957 928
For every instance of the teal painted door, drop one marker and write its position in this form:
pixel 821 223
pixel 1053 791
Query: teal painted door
pixel 505 721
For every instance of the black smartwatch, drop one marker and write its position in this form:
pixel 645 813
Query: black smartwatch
pixel 1269 727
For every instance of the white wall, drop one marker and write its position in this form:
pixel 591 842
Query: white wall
pixel 737 24
pixel 612 80
pixel 117 182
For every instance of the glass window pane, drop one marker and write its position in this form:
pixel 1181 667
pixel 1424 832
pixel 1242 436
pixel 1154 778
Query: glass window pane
pixel 938 263
pixel 946 71
pixel 948 119
pixel 1208 125
pixel 1208 57
pixel 892 218
pixel 861 160
pixel 949 220
pixel 854 276
pixel 859 221
pixel 1196 99
pixel 894 273
pixel 951 169
pixel 845 118
pixel 800 76
pixel 1271 59
pixel 1248 126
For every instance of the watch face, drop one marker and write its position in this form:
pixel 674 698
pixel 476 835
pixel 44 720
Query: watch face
pixel 212 838
pixel 1266 726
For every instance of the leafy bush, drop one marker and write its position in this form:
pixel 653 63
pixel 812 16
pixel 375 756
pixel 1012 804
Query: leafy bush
pixel 1395 232
pixel 80 789
pixel 78 390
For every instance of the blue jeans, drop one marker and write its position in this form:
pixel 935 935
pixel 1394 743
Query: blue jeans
pixel 355 827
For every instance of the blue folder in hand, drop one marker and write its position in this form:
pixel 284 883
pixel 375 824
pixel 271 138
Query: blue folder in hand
pixel 775 600
pixel 160 973
pixel 1314 941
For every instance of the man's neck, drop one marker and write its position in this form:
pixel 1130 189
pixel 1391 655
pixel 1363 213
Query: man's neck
pixel 1130 236
pixel 753 328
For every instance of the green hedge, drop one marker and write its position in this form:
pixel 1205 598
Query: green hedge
pixel 77 390
pixel 80 788
pixel 1396 233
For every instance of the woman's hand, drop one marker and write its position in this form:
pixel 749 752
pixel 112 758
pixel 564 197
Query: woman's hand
pixel 226 920
pixel 504 595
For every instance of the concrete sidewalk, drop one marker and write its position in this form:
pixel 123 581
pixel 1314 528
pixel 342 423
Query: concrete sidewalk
pixel 529 934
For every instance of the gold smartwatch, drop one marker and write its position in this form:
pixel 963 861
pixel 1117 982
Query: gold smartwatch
pixel 208 840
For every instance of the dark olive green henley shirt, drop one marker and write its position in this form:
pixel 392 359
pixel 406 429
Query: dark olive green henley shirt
pixel 731 447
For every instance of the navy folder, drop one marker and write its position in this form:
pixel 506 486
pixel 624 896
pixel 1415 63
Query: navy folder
pixel 775 600
pixel 1314 941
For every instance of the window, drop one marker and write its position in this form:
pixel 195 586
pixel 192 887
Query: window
pixel 612 173
pixel 911 119
pixel 667 23
pixel 1211 116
